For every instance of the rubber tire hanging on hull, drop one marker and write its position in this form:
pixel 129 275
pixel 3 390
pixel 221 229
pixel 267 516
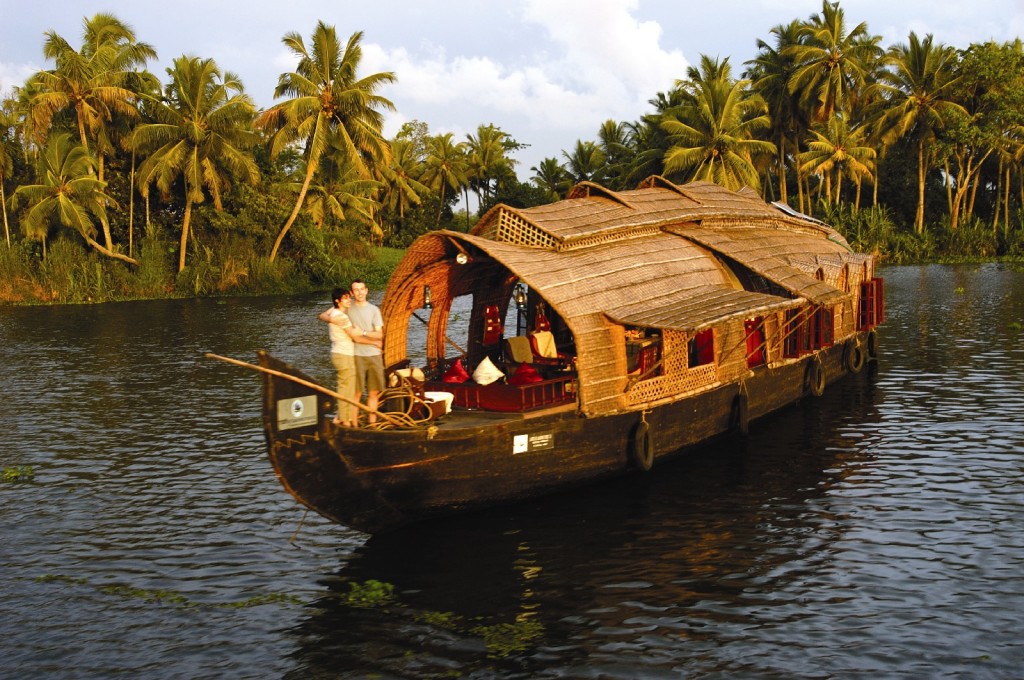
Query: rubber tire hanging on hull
pixel 741 413
pixel 873 345
pixel 641 448
pixel 815 377
pixel 854 356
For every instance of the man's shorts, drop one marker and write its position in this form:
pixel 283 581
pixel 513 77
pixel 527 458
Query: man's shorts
pixel 370 373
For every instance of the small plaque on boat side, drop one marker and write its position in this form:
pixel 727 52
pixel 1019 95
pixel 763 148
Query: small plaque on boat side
pixel 297 412
pixel 521 443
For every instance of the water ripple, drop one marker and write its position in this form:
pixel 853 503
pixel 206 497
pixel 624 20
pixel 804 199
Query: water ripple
pixel 873 532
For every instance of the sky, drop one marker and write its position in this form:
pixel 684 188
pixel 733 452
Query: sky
pixel 547 72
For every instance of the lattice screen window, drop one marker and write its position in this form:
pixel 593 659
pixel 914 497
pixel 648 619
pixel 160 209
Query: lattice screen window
pixel 514 229
pixel 679 377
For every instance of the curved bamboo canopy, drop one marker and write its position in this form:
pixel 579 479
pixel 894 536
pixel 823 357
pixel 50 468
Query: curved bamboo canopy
pixel 660 256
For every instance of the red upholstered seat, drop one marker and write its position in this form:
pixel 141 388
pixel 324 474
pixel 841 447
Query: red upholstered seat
pixel 541 323
pixel 545 352
pixel 493 327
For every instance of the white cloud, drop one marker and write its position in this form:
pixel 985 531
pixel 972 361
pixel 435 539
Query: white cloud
pixel 579 64
pixel 606 49
pixel 14 75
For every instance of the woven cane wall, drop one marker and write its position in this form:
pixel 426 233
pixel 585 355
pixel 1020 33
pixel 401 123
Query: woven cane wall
pixel 678 377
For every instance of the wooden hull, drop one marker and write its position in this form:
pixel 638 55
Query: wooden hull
pixel 375 480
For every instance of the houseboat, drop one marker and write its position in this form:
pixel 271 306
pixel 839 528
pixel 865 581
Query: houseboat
pixel 646 322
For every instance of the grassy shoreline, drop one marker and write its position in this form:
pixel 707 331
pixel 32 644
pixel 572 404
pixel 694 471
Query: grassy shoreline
pixel 69 275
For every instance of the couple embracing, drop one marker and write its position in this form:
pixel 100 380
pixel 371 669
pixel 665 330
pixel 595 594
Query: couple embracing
pixel 356 331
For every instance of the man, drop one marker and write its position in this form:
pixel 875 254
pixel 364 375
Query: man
pixel 343 336
pixel 369 361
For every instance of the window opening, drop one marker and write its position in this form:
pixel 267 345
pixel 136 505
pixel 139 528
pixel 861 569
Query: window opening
pixel 643 352
pixel 702 348
pixel 755 341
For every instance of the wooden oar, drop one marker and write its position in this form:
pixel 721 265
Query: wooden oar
pixel 306 383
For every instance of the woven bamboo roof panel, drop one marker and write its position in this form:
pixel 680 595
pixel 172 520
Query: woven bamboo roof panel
pixel 694 310
pixel 599 278
pixel 592 210
pixel 767 252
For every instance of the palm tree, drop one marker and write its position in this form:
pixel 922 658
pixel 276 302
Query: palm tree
pixel 485 154
pixel 829 61
pixel 444 168
pixel 401 188
pixel 918 93
pixel 614 138
pixel 329 101
pixel 93 81
pixel 69 194
pixel 201 134
pixel 550 176
pixel 770 72
pixel 713 131
pixel 585 163
pixel 342 194
pixel 836 150
pixel 99 82
pixel 7 123
pixel 648 140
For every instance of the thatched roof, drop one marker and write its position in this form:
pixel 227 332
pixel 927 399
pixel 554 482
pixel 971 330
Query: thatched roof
pixel 660 256
pixel 593 213
pixel 767 252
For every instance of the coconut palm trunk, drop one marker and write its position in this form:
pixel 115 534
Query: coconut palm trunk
pixel 440 209
pixel 185 224
pixel 919 218
pixel 3 206
pixel 310 168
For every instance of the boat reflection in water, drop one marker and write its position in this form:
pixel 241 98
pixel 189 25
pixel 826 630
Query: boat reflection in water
pixel 606 580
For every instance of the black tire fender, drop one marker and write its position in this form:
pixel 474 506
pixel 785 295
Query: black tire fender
pixel 815 377
pixel 741 413
pixel 641 448
pixel 873 345
pixel 854 356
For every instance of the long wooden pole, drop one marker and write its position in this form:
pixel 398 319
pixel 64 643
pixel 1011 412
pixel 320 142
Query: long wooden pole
pixel 447 339
pixel 306 383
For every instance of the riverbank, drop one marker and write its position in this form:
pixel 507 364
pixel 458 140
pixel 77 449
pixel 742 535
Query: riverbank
pixel 70 275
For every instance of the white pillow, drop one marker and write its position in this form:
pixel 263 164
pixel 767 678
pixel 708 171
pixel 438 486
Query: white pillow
pixel 486 372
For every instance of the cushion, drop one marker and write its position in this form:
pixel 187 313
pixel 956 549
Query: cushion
pixel 519 349
pixel 456 373
pixel 546 346
pixel 524 375
pixel 411 373
pixel 486 372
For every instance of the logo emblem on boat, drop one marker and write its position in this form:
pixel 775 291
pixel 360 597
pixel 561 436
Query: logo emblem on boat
pixel 296 412
pixel 521 443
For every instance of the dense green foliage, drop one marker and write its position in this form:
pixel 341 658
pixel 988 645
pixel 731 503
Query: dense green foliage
pixel 115 185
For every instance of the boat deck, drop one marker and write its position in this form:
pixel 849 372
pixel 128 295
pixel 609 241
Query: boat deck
pixel 461 418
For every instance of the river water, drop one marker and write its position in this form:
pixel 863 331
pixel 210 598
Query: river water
pixel 873 532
